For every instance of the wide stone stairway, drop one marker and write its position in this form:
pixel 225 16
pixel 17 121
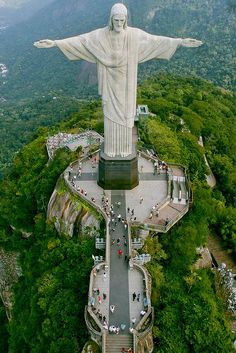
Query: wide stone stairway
pixel 115 343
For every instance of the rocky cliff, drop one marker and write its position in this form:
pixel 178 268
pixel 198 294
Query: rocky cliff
pixel 70 215
pixel 9 273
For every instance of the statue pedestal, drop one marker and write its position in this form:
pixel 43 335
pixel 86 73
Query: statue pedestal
pixel 117 173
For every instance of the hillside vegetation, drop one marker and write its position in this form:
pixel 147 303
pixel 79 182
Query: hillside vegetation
pixel 212 21
pixel 189 315
pixel 50 296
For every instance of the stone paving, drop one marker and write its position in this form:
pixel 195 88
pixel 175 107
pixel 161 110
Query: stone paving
pixel 101 283
pixel 152 188
pixel 135 286
pixel 120 283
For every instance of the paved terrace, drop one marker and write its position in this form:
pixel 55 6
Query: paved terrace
pixel 147 204
pixel 150 201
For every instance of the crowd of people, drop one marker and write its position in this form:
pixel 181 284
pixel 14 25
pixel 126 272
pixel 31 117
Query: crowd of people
pixel 228 281
pixel 62 139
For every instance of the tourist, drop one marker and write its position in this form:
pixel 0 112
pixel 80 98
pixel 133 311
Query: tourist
pixel 120 252
pixel 112 328
pixel 105 326
pixel 112 308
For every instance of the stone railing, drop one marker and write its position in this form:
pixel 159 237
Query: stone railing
pixel 144 327
pixel 170 172
pixel 129 241
pixel 159 227
pixel 83 197
pixel 187 181
pixel 140 337
pixel 94 205
pixel 91 323
pixel 104 341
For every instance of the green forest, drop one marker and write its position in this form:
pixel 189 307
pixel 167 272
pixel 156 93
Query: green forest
pixel 49 298
pixel 33 72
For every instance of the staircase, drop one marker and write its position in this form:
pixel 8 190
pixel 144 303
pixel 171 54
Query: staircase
pixel 114 343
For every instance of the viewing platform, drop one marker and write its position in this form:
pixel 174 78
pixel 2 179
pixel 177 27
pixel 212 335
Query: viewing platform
pixel 160 200
pixel 119 312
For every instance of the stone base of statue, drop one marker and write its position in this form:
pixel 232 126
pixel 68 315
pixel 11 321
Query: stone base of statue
pixel 118 173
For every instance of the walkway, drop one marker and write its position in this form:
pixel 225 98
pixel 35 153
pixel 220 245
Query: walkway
pixel 152 189
pixel 124 287
pixel 210 178
pixel 119 283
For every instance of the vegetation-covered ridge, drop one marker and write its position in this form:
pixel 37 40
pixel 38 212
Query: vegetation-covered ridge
pixel 211 21
pixel 50 296
pixel 189 315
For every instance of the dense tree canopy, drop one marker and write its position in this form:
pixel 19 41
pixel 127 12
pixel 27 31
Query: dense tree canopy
pixel 50 295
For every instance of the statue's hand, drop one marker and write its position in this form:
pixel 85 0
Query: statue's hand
pixel 191 43
pixel 45 43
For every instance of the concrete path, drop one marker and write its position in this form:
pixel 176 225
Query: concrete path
pixel 210 178
pixel 119 284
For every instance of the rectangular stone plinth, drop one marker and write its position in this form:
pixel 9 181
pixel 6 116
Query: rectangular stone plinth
pixel 118 173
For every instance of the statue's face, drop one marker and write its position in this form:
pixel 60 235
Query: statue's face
pixel 118 22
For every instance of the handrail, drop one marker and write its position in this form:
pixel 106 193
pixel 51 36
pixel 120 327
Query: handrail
pixel 94 205
pixel 104 341
pixel 143 333
pixel 173 165
pixel 91 328
pixel 129 241
pixel 150 311
pixel 161 228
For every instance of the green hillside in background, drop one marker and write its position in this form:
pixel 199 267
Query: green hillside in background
pixel 50 296
pixel 34 72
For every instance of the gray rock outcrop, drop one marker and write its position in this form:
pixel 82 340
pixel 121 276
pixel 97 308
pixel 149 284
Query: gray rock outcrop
pixel 70 215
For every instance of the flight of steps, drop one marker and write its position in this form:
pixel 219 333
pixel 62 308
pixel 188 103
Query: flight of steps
pixel 114 343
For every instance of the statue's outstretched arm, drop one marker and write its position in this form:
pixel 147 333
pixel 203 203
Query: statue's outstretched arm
pixel 191 43
pixel 45 43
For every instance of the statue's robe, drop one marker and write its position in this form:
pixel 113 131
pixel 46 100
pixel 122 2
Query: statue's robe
pixel 117 75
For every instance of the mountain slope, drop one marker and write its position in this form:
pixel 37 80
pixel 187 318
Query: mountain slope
pixel 208 20
pixel 14 11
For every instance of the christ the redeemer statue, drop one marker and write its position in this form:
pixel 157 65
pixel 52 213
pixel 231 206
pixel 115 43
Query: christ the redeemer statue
pixel 117 50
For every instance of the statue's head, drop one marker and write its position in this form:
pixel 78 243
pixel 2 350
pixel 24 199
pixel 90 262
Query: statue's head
pixel 118 17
